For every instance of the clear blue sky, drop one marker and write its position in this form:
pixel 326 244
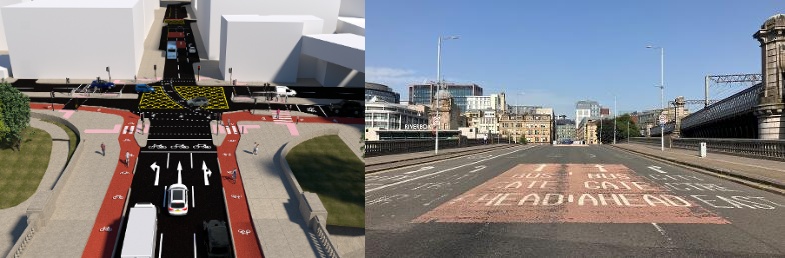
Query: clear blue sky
pixel 554 53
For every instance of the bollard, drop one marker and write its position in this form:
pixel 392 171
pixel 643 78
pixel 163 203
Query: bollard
pixel 703 150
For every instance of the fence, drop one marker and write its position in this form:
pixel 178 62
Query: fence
pixel 42 203
pixel 753 148
pixel 378 148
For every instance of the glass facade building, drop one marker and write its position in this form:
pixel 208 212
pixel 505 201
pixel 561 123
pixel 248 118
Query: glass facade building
pixel 395 117
pixel 422 94
pixel 381 92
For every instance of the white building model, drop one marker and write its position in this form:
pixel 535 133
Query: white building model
pixel 261 40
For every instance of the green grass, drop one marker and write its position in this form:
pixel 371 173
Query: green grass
pixel 21 171
pixel 327 167
pixel 73 140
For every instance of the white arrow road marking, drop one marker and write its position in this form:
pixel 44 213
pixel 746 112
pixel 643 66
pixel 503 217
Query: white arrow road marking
pixel 157 169
pixel 179 173
pixel 478 168
pixel 539 169
pixel 419 170
pixel 656 168
pixel 592 156
pixel 207 173
pixel 602 169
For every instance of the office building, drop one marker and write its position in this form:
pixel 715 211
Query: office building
pixel 587 131
pixel 382 93
pixel 423 93
pixel 390 116
pixel 565 130
pixel 586 108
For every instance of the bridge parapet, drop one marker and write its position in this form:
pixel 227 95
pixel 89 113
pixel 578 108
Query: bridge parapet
pixel 771 124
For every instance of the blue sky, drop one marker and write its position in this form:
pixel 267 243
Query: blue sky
pixel 554 53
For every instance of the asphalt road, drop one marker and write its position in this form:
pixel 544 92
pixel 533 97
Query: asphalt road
pixel 566 201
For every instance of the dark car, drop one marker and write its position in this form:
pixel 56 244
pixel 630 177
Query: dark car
pixel 101 84
pixel 347 108
pixel 217 240
pixel 197 102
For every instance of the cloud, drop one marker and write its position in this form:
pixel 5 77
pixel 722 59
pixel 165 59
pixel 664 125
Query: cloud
pixel 393 77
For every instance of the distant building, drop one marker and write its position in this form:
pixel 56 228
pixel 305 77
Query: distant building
pixel 381 92
pixel 492 102
pixel 422 94
pixel 486 121
pixel 390 116
pixel 449 116
pixel 586 108
pixel 565 130
pixel 587 131
pixel 523 109
pixel 536 128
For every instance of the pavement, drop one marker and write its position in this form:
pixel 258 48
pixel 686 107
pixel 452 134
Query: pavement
pixel 273 204
pixel 762 173
pixel 558 201
pixel 16 216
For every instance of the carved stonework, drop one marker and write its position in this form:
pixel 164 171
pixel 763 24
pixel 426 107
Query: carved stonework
pixel 771 36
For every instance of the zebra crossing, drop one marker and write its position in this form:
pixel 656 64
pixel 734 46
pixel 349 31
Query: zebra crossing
pixel 128 129
pixel 284 117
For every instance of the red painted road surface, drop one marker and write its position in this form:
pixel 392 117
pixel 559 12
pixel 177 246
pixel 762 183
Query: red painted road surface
pixel 585 193
pixel 246 116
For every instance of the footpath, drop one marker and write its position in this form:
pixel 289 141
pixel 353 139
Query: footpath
pixel 760 173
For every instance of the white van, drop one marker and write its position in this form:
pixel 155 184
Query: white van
pixel 284 91
pixel 139 240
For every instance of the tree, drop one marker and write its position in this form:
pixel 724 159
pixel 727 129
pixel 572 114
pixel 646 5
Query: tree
pixel 621 129
pixel 522 139
pixel 14 113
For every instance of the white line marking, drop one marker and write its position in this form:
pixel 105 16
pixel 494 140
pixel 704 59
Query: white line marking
pixel 167 160
pixel 160 245
pixel 662 231
pixel 478 168
pixel 419 170
pixel 539 169
pixel 656 168
pixel 598 166
pixel 431 202
pixel 194 245
pixel 181 139
pixel 439 172
pixel 193 200
pixel 192 160
pixel 164 204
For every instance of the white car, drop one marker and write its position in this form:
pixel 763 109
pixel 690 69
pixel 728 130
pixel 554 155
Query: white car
pixel 192 50
pixel 180 146
pixel 202 146
pixel 157 146
pixel 177 200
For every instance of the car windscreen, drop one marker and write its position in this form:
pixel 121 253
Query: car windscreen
pixel 178 195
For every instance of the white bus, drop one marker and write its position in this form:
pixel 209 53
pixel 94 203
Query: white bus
pixel 139 240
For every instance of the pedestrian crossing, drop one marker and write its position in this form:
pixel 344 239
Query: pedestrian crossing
pixel 284 117
pixel 231 129
pixel 128 129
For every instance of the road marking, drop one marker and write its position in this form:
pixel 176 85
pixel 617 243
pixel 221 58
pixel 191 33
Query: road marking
pixel 192 160
pixel 602 169
pixel 662 231
pixel 194 245
pixel 431 202
pixel 439 172
pixel 157 171
pixel 478 168
pixel 592 156
pixel 419 170
pixel 179 173
pixel 181 139
pixel 656 168
pixel 167 160
pixel 160 245
pixel 164 203
pixel 207 173
pixel 193 200
pixel 539 169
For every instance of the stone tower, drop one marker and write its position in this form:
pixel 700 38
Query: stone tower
pixel 772 44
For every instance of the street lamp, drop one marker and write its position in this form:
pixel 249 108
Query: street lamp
pixel 662 93
pixel 438 85
pixel 109 73
pixel 614 119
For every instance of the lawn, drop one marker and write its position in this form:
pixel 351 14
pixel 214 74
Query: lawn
pixel 21 171
pixel 327 167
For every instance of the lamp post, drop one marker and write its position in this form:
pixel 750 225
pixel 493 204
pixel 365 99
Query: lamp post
pixel 662 93
pixel 438 85
pixel 614 119
pixel 155 72
pixel 109 73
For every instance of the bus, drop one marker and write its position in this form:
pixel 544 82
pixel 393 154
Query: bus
pixel 139 240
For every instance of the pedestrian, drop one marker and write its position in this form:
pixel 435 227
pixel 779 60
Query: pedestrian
pixel 103 149
pixel 297 120
pixel 278 113
pixel 234 176
pixel 127 156
pixel 230 122
pixel 255 148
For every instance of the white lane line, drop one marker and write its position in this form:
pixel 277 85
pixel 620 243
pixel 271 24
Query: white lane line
pixel 478 168
pixel 656 168
pixel 431 202
pixel 164 203
pixel 420 170
pixel 194 245
pixel 662 231
pixel 539 169
pixel 192 160
pixel 167 160
pixel 160 245
pixel 439 172
pixel 193 200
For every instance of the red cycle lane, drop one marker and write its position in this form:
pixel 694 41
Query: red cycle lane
pixel 243 233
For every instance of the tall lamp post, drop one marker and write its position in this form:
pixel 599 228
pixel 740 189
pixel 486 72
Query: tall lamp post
pixel 615 113
pixel 438 85
pixel 662 93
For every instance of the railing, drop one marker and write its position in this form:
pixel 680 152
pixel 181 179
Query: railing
pixel 753 148
pixel 654 140
pixel 377 148
pixel 324 237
